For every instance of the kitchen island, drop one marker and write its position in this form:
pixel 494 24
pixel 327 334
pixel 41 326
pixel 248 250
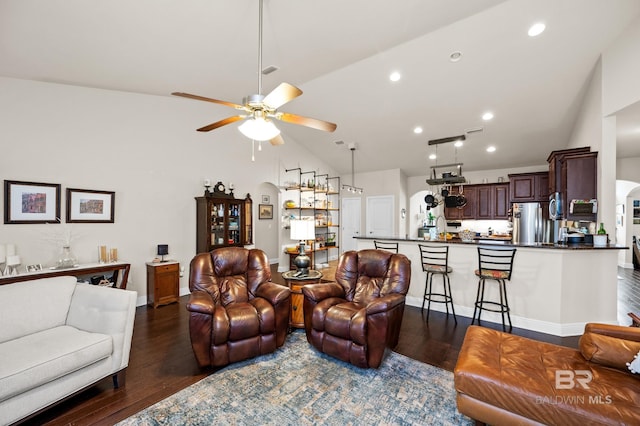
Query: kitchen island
pixel 554 288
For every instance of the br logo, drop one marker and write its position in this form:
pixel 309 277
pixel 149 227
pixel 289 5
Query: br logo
pixel 568 379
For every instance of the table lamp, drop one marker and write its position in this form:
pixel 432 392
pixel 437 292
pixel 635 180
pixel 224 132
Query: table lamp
pixel 163 250
pixel 302 230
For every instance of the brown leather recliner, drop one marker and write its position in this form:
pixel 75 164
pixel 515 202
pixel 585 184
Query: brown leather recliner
pixel 236 311
pixel 358 317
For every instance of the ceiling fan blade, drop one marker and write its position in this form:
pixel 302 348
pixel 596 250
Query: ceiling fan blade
pixel 202 98
pixel 306 121
pixel 221 123
pixel 282 94
pixel 277 140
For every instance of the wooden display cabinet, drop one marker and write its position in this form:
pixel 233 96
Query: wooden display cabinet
pixel 163 283
pixel 223 221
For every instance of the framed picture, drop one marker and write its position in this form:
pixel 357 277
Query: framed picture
pixel 87 206
pixel 31 202
pixel 266 199
pixel 265 211
pixel 34 268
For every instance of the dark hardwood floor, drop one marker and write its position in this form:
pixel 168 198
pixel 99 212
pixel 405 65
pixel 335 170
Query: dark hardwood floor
pixel 162 363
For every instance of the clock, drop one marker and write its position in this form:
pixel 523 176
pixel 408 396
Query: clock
pixel 219 187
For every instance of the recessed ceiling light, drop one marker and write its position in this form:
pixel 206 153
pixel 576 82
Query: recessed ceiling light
pixel 417 130
pixel 491 148
pixel 455 56
pixel 394 76
pixel 487 116
pixel 536 29
pixel 458 144
pixel 432 157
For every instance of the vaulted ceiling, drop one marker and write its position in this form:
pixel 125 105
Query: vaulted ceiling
pixel 340 53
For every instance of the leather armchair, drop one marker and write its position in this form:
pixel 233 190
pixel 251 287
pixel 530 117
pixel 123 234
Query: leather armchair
pixel 359 316
pixel 236 312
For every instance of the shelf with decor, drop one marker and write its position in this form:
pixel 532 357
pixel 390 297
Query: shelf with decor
pixel 315 196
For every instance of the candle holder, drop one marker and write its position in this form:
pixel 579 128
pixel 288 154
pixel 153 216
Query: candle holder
pixel 13 263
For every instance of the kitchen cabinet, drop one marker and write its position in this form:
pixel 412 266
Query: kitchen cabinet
pixel 555 160
pixel 469 210
pixel 573 173
pixel 579 182
pixel 484 202
pixel 223 220
pixel 529 187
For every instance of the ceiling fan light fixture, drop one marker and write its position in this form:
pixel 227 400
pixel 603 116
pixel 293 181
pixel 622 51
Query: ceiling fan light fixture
pixel 259 129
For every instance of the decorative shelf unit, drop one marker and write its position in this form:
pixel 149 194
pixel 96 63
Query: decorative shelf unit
pixel 317 197
pixel 222 221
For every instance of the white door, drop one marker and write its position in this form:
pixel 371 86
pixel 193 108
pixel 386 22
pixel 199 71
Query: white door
pixel 350 223
pixel 380 216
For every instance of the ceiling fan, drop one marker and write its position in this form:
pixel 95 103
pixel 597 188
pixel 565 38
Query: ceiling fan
pixel 259 110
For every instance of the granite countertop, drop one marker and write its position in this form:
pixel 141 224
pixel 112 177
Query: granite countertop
pixel 502 242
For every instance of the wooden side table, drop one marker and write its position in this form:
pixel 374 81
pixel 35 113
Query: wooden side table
pixel 295 284
pixel 163 283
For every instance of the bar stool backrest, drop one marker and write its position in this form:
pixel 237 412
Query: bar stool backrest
pixel 386 245
pixel 496 262
pixel 434 256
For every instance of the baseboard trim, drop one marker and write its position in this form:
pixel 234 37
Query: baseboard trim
pixel 556 329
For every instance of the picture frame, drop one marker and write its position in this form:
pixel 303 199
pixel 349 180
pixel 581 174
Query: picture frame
pixel 266 199
pixel 34 268
pixel 265 211
pixel 31 202
pixel 90 206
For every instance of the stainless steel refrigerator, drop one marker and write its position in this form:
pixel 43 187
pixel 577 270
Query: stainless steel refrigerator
pixel 531 224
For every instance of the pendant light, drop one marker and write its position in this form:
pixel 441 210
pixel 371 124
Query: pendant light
pixel 352 188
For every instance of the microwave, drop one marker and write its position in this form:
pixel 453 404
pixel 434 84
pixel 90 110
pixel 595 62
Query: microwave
pixel 555 206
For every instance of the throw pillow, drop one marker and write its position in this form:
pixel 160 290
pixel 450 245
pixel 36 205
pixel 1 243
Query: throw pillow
pixel 634 365
pixel 607 350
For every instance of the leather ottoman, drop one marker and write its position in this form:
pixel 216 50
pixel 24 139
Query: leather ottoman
pixel 502 379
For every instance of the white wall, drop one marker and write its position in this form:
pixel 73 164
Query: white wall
pixel 145 148
pixel 620 70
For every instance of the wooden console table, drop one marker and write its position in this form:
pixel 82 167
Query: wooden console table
pixel 296 315
pixel 77 271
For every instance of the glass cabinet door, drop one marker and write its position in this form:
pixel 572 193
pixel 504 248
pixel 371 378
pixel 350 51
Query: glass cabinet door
pixel 217 224
pixel 234 223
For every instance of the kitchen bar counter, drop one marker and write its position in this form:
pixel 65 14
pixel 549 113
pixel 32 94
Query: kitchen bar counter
pixel 502 242
pixel 554 289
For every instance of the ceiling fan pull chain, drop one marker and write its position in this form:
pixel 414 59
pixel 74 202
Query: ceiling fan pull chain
pixel 253 150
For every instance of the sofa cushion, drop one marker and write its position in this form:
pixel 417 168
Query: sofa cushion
pixel 607 350
pixel 38 358
pixel 32 306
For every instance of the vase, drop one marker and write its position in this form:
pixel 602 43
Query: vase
pixel 66 259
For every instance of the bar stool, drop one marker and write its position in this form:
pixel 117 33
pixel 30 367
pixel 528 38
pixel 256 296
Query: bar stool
pixel 435 261
pixel 494 264
pixel 386 245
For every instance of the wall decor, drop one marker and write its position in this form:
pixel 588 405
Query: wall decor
pixel 87 206
pixel 266 199
pixel 265 211
pixel 31 202
pixel 636 212
pixel 34 268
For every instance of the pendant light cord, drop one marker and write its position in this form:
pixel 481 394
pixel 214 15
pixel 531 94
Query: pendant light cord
pixel 260 49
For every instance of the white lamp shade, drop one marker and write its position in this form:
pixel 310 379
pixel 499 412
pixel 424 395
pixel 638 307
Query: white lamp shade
pixel 3 253
pixel 259 129
pixel 303 230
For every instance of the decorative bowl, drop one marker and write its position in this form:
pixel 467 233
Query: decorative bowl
pixel 466 235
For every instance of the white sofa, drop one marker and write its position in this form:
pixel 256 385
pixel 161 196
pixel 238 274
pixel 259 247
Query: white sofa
pixel 58 337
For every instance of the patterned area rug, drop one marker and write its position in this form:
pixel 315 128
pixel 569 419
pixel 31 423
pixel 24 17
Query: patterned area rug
pixel 299 385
